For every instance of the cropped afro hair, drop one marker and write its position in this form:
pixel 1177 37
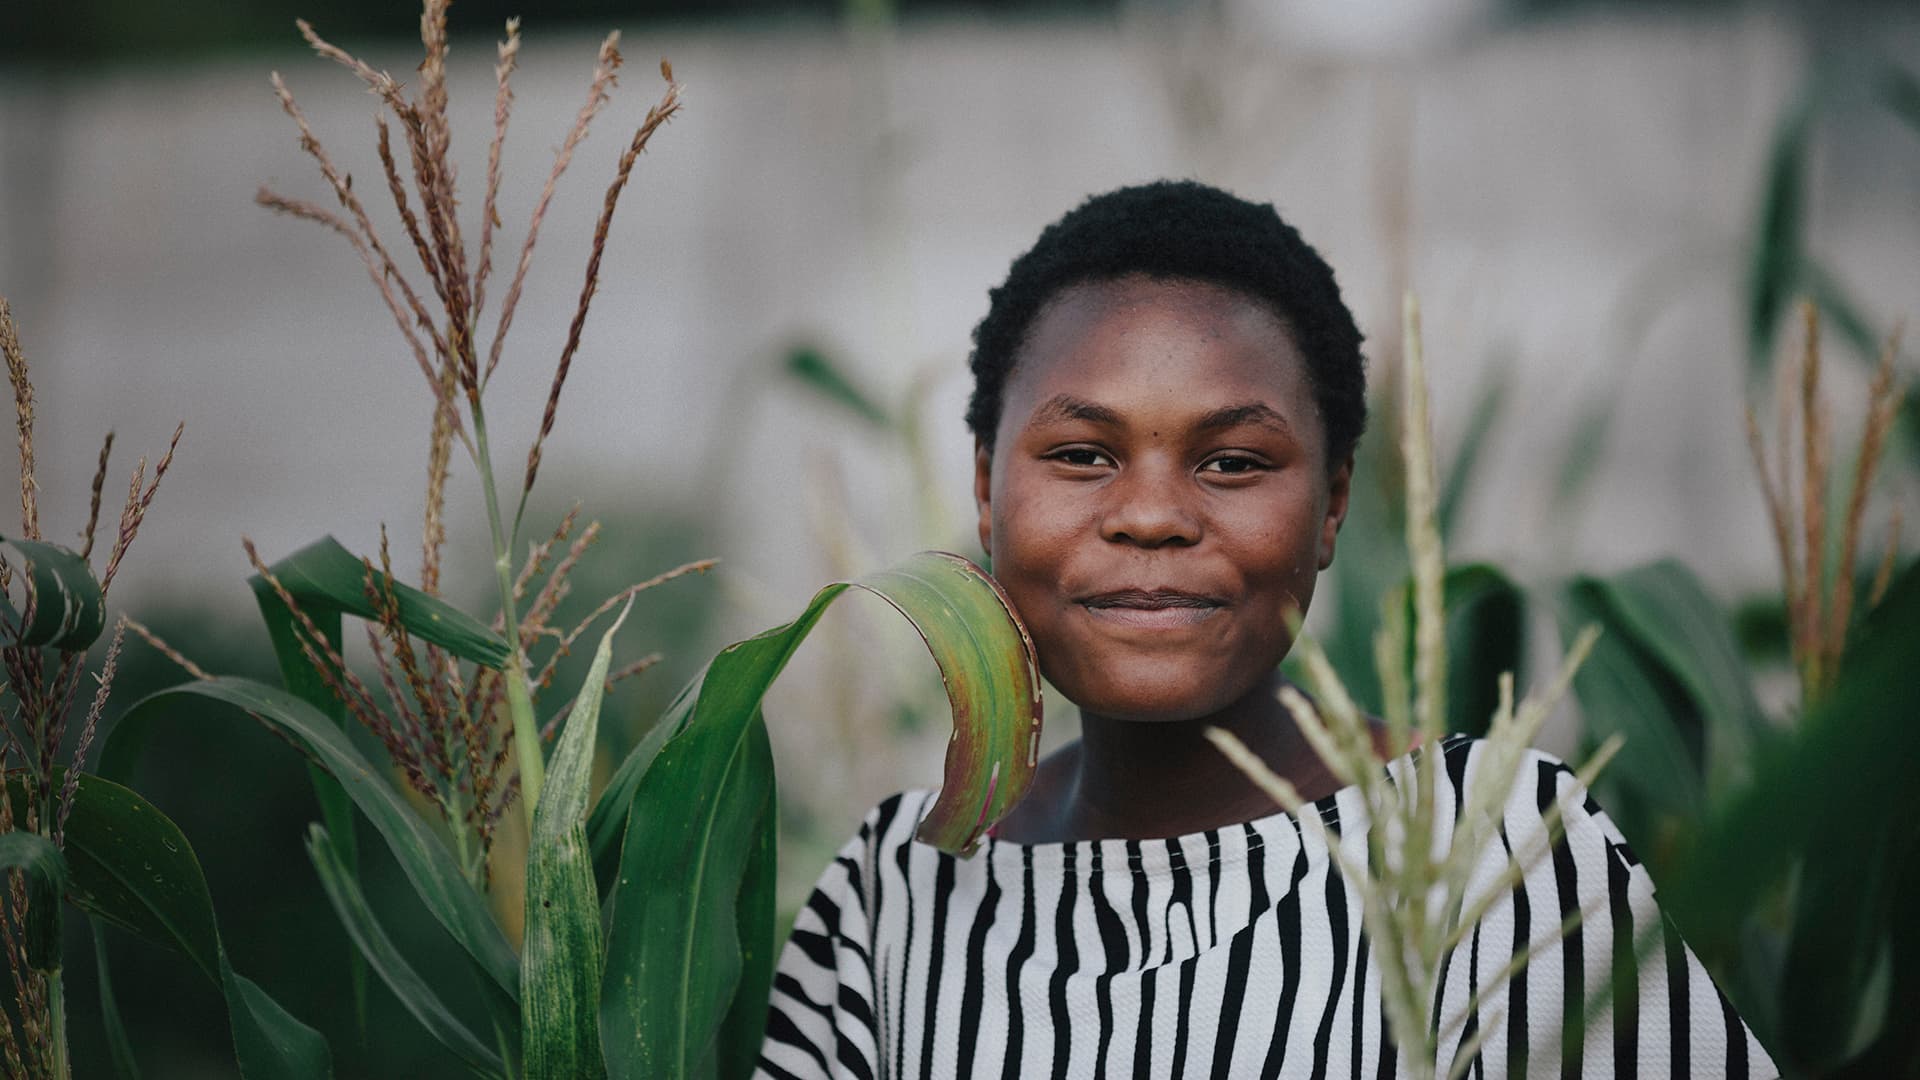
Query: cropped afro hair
pixel 1182 231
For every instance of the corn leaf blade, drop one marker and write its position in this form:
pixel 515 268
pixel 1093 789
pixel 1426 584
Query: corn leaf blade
pixel 738 1049
pixel 429 866
pixel 415 995
pixel 1657 781
pixel 68 608
pixel 119 1047
pixel 1848 761
pixel 298 675
pixel 676 959
pixel 129 865
pixel 607 824
pixel 814 370
pixel 1685 630
pixel 46 873
pixel 326 575
pixel 1486 617
pixel 560 963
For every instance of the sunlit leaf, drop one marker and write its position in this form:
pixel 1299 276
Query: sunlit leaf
pixel 677 964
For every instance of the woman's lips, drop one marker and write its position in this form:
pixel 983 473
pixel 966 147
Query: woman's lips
pixel 1151 609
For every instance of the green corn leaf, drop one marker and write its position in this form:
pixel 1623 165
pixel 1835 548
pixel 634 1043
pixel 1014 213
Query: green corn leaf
pixel 607 824
pixel 68 609
pixel 1774 274
pixel 1669 613
pixel 325 575
pixel 676 961
pixel 119 1047
pixel 46 874
pixel 1832 805
pixel 1486 637
pixel 738 1049
pixel 1657 781
pixel 413 992
pixel 560 962
pixel 129 865
pixel 327 581
pixel 432 869
pixel 298 675
pixel 812 368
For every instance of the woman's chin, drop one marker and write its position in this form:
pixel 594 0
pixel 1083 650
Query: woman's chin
pixel 1166 703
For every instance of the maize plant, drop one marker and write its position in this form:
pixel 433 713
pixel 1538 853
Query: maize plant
pixel 648 940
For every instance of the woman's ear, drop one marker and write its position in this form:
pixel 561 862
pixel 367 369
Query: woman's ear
pixel 1339 487
pixel 983 493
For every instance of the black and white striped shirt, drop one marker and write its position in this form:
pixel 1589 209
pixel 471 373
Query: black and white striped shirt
pixel 1237 952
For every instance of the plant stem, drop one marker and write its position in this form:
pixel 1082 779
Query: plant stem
pixel 57 1009
pixel 526 734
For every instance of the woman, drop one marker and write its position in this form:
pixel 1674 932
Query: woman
pixel 1168 391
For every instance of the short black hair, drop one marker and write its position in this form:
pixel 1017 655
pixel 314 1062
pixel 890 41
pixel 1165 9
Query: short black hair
pixel 1183 231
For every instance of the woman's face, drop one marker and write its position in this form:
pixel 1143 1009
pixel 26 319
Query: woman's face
pixel 1158 499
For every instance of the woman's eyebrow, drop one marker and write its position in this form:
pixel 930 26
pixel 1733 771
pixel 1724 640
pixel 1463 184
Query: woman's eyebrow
pixel 1254 413
pixel 1063 407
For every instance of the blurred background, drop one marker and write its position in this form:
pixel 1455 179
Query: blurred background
pixel 1605 208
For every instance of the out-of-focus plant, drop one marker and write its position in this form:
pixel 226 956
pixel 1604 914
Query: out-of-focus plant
pixel 1416 901
pixel 1819 587
pixel 1782 262
pixel 48 820
pixel 647 943
pixel 1787 848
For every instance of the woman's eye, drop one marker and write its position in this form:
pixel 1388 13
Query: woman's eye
pixel 1232 465
pixel 1080 455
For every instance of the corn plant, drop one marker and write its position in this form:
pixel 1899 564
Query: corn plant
pixel 648 940
pixel 48 820
pixel 1416 902
pixel 1785 845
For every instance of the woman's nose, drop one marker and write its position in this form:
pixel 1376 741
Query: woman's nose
pixel 1148 505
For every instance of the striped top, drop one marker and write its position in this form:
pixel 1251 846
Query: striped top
pixel 1236 952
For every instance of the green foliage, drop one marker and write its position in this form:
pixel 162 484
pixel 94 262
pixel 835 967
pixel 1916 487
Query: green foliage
pixel 1829 821
pixel 46 881
pixel 819 374
pixel 561 955
pixel 689 952
pixel 436 877
pixel 415 994
pixel 132 868
pixel 690 947
pixel 68 609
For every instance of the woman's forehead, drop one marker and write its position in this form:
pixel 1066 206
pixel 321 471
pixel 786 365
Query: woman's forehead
pixel 1140 344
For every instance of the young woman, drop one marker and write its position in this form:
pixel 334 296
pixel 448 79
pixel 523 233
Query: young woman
pixel 1168 391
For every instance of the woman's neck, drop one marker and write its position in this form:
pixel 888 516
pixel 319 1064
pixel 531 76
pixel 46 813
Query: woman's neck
pixel 1140 780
